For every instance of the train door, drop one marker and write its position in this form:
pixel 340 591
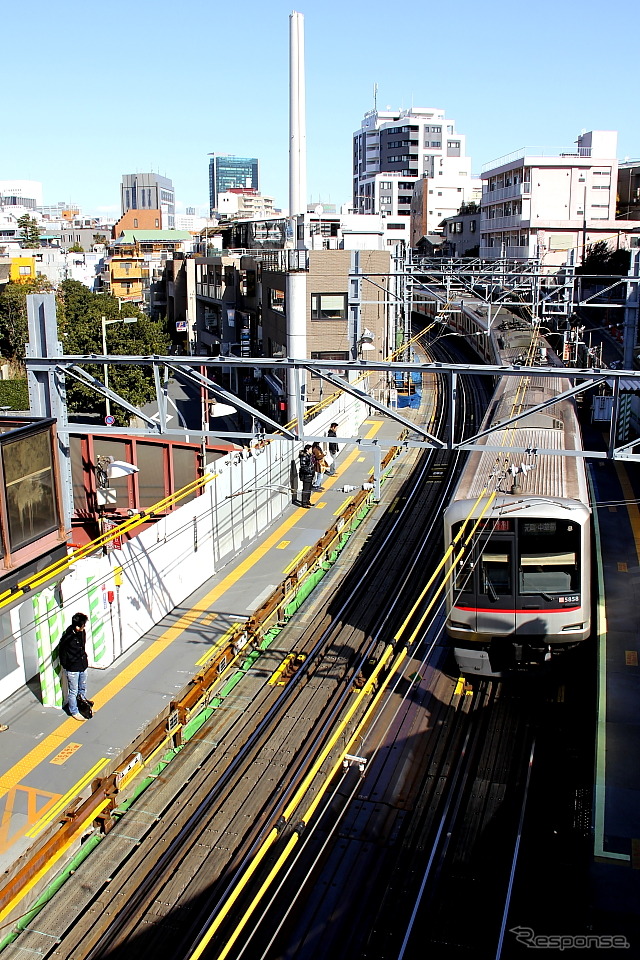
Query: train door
pixel 497 587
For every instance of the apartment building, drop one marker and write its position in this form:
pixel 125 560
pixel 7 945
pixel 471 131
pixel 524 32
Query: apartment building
pixel 629 190
pixel 394 150
pixel 243 202
pixel 240 308
pixel 545 202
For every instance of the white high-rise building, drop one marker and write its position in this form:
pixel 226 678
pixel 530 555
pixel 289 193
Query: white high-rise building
pixel 394 149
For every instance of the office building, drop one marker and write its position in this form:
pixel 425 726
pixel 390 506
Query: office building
pixel 227 172
pixel 149 191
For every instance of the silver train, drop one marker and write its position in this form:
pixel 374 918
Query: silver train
pixel 520 591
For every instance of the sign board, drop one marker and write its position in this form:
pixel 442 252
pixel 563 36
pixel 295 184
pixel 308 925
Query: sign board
pixel 116 543
pixel 109 420
pixel 181 326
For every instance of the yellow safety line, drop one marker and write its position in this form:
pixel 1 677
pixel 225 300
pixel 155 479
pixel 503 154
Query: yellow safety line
pixel 65 800
pixel 295 560
pixel 55 740
pixel 219 642
pixel 55 857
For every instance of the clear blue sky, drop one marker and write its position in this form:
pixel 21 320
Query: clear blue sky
pixel 93 92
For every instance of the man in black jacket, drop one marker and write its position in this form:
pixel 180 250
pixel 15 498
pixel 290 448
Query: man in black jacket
pixel 305 472
pixel 74 662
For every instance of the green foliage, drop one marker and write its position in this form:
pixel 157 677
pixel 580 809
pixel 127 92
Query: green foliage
pixel 30 231
pixel 80 315
pixel 14 394
pixel 601 260
pixel 76 248
pixel 13 315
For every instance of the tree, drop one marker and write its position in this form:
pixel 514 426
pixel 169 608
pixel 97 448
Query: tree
pixel 13 315
pixel 601 260
pixel 30 231
pixel 76 248
pixel 80 315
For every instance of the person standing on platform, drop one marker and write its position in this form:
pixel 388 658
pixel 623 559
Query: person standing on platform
pixel 333 449
pixel 305 472
pixel 73 660
pixel 320 466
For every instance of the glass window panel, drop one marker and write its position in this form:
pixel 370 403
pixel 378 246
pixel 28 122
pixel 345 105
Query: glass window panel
pixel 328 306
pixel 31 505
pixel 119 450
pixel 151 486
pixel 184 469
pixel 495 570
pixel 548 556
pixel 8 658
pixel 77 476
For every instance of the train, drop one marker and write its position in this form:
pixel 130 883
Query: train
pixel 519 527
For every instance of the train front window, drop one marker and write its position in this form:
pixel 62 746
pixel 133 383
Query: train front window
pixel 548 556
pixel 495 571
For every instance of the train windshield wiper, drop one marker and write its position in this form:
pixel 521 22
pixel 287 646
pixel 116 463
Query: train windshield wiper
pixel 491 590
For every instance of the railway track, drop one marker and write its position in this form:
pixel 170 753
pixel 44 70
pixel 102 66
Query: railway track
pixel 186 863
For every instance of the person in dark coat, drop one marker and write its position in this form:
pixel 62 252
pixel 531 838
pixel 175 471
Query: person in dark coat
pixel 333 449
pixel 73 660
pixel 305 472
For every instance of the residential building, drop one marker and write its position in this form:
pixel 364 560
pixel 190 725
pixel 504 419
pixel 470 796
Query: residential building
pixel 124 273
pixel 135 269
pixel 232 303
pixel 394 150
pixel 137 220
pixel 227 172
pixel 462 232
pixel 149 191
pixel 544 202
pixel 628 206
pixel 244 203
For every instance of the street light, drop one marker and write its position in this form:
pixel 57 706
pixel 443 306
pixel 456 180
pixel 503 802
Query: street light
pixel 105 324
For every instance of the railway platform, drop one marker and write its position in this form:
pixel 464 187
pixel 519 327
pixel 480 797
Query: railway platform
pixel 48 759
pixel 615 871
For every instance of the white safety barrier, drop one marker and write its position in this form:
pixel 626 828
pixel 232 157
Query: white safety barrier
pixel 131 589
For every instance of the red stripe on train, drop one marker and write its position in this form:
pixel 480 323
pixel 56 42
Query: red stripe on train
pixel 500 610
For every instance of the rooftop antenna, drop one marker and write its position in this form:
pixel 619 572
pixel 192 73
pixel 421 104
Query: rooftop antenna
pixel 375 97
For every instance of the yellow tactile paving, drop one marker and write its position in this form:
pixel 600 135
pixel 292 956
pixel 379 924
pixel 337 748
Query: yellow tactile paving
pixel 629 497
pixel 59 853
pixel 33 813
pixel 70 795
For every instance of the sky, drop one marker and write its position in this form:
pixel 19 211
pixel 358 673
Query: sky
pixel 92 93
